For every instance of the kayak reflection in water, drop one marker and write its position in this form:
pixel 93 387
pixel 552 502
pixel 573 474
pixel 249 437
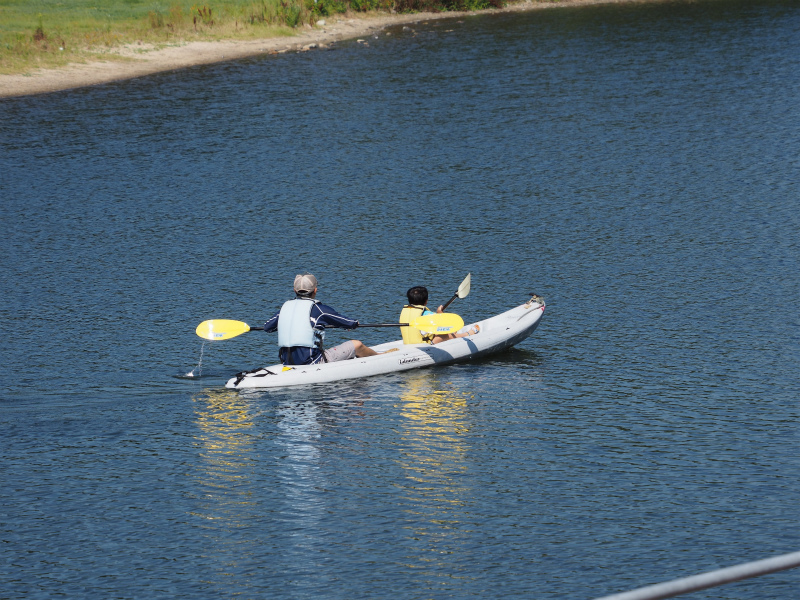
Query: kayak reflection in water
pixel 301 323
pixel 417 307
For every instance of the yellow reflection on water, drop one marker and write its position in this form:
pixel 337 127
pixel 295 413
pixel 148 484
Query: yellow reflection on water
pixel 225 438
pixel 434 455
pixel 226 431
pixel 236 443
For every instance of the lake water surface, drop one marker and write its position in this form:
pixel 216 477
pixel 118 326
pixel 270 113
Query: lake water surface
pixel 636 165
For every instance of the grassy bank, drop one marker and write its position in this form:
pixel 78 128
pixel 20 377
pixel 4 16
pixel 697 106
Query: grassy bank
pixel 49 33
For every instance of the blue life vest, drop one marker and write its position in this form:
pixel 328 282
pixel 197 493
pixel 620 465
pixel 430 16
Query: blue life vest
pixel 294 325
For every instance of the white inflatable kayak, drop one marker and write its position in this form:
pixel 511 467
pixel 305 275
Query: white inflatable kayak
pixel 496 333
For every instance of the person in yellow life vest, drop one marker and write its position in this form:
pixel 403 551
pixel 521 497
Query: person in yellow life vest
pixel 416 307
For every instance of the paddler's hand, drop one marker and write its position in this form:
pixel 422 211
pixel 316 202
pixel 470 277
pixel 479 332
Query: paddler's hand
pixel 440 309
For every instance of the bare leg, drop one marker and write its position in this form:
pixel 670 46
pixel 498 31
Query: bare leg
pixel 437 339
pixel 450 336
pixel 362 350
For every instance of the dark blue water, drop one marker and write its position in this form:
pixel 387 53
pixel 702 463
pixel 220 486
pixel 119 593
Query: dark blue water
pixel 635 165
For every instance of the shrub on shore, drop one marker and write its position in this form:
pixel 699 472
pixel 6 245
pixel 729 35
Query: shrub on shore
pixel 49 33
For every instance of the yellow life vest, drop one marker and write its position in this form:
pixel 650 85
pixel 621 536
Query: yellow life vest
pixel 412 335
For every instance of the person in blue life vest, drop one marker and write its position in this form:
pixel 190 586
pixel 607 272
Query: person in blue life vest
pixel 417 307
pixel 301 323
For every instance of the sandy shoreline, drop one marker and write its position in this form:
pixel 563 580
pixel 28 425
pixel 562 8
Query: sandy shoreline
pixel 198 53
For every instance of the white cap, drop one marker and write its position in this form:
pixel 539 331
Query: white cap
pixel 305 284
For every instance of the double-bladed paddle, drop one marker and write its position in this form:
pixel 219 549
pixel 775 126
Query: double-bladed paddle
pixel 439 323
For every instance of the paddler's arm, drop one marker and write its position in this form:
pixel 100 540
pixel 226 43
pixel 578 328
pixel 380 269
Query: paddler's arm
pixel 325 316
pixel 272 324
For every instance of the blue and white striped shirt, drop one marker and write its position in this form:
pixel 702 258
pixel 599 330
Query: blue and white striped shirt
pixel 321 316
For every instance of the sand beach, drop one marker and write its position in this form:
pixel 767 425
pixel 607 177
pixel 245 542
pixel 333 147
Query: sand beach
pixel 139 61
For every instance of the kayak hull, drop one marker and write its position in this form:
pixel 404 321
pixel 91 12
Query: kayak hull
pixel 496 333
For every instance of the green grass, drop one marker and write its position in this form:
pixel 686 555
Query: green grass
pixel 49 33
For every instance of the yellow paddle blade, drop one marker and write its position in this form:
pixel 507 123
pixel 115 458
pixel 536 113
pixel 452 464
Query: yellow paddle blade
pixel 439 323
pixel 221 329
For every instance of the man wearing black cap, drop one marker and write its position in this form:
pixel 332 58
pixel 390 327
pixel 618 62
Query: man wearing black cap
pixel 301 323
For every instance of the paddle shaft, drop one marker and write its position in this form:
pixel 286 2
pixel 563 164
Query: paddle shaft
pixel 225 329
pixel 359 325
pixel 449 302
